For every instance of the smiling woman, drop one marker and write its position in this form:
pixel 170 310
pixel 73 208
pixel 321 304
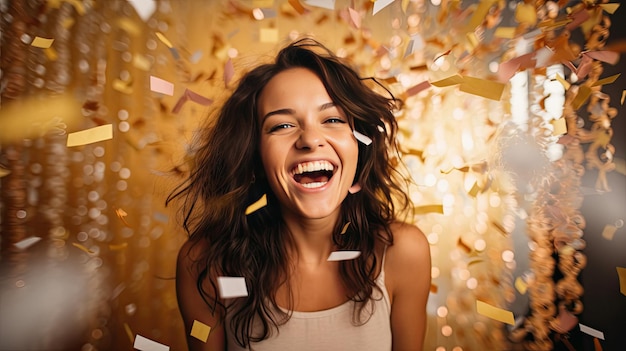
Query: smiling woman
pixel 287 134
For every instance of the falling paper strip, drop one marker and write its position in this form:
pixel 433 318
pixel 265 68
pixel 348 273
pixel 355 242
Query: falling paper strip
pixel 496 313
pixel 343 255
pixel 90 135
pixel 345 228
pixel 380 4
pixel 43 43
pixel 260 203
pixel 162 86
pixel 362 138
pixel 325 4
pixel 26 243
pixel 145 344
pixel 590 331
pixel 200 331
pixel 144 8
pixel 231 287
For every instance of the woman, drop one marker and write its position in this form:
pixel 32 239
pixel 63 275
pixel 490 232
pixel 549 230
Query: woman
pixel 289 133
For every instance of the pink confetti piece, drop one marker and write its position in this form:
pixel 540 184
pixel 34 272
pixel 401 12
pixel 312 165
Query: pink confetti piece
pixel 609 57
pixel 414 90
pixel 229 71
pixel 162 86
pixel 190 95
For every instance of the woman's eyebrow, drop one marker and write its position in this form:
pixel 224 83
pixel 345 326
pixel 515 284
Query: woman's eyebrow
pixel 290 111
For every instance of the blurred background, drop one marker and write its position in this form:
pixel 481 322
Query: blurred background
pixel 513 135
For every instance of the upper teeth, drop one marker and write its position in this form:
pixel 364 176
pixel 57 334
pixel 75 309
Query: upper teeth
pixel 313 167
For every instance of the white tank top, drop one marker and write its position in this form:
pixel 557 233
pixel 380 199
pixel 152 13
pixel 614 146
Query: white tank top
pixel 332 329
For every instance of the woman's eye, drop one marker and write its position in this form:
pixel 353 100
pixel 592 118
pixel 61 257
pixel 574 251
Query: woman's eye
pixel 335 120
pixel 279 127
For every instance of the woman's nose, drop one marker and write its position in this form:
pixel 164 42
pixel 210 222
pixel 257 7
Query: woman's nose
pixel 310 138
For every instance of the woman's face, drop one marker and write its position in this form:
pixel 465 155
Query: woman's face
pixel 307 147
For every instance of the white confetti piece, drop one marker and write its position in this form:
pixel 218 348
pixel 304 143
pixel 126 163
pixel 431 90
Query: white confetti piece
pixel 362 138
pixel 231 287
pixel 590 331
pixel 26 243
pixel 144 8
pixel 145 344
pixel 162 86
pixel 380 4
pixel 343 255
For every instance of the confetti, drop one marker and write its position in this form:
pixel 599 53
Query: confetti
pixel 343 255
pixel 559 125
pixel 117 247
pixel 610 7
pixel 621 101
pixel 162 86
pixel 231 287
pixel 121 214
pixel 355 18
pixel 141 62
pixel 609 231
pixel 583 94
pixel 414 90
pixel 190 95
pixel 260 203
pixel 521 285
pixel 229 71
pixel 325 4
pixel 145 344
pixel 26 243
pixel 164 40
pixel 428 209
pixel 496 313
pixel 268 35
pixel 621 275
pixel 563 82
pixel 129 333
pixel 504 32
pixel 451 80
pixel 200 330
pixel 43 43
pixel 297 6
pixel 607 80
pixel 4 172
pixel 144 8
pixel 122 86
pixel 82 247
pixel 380 4
pixel 481 87
pixel 590 331
pixel 345 228
pixel 362 138
pixel 91 135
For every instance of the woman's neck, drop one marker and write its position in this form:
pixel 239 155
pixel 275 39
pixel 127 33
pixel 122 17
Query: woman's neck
pixel 312 240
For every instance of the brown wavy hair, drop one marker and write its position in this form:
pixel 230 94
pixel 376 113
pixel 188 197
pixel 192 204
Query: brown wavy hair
pixel 227 176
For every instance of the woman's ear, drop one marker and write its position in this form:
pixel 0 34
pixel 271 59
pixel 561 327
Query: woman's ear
pixel 355 188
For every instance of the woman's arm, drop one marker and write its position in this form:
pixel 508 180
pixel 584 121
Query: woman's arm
pixel 407 272
pixel 192 306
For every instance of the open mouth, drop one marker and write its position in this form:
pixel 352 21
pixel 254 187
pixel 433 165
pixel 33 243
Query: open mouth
pixel 313 174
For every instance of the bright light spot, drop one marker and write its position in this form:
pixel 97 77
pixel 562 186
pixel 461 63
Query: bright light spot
pixel 446 330
pixel 433 238
pixel 440 348
pixel 532 246
pixel 442 311
pixel 458 113
pixel 481 227
pixel 471 283
pixel 430 179
pixel 494 200
pixel 443 185
pixel 467 140
pixel 232 52
pixel 464 274
pixel 494 67
pixel 448 200
pixel 434 272
pixel 508 256
pixel 480 245
pixel 457 348
pixel 258 14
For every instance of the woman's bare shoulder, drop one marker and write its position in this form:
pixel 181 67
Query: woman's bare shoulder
pixel 408 256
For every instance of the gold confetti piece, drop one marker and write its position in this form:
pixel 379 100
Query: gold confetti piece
pixel 482 87
pixel 268 35
pixel 472 39
pixel 499 227
pixel 452 80
pixel 4 172
pixel 494 312
pixel 144 344
pixel 590 331
pixel 231 287
pixel 67 23
pixel 610 7
pixel 559 125
pixel 43 43
pixel 362 138
pixel 504 32
pixel 345 228
pixel 583 94
pixel 200 330
pixel 621 101
pixel 26 243
pixel 51 54
pixel 563 82
pixel 607 80
pixel 161 86
pixel 429 209
pixel 621 275
pixel 263 3
pixel 128 26
pixel 129 333
pixel 164 40
pixel 117 247
pixel 297 6
pixel 78 6
pixel 479 14
pixel 80 246
pixel 91 135
pixel 609 231
pixel 474 190
pixel 343 255
pixel 526 14
pixel 141 62
pixel 521 285
pixel 121 214
pixel 260 203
